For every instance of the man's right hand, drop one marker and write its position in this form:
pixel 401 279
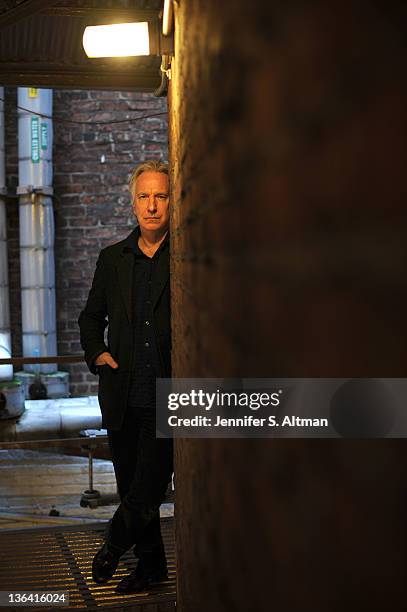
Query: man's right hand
pixel 106 359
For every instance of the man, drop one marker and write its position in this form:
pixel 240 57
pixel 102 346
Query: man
pixel 130 295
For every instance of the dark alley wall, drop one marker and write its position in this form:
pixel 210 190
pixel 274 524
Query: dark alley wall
pixel 92 164
pixel 288 146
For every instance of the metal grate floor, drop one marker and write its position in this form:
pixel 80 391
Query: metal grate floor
pixel 60 558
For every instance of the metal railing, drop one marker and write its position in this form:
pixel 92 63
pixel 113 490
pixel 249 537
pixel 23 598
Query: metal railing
pixel 55 359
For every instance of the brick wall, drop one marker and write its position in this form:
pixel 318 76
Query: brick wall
pixel 288 149
pixel 92 164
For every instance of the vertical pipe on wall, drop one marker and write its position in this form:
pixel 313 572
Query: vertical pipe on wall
pixel 36 226
pixel 6 371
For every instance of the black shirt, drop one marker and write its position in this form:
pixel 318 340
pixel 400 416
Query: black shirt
pixel 146 363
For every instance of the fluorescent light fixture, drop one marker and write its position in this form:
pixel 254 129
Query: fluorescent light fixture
pixel 117 40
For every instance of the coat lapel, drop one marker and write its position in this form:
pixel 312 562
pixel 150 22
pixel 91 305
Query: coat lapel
pixel 125 276
pixel 162 273
pixel 125 267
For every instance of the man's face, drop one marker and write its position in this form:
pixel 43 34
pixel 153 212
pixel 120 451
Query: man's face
pixel 151 201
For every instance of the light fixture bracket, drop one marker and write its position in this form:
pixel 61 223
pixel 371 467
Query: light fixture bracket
pixel 160 44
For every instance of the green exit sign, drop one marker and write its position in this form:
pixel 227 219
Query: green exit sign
pixel 35 140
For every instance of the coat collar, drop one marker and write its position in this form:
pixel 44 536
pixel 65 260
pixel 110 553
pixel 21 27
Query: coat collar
pixel 131 240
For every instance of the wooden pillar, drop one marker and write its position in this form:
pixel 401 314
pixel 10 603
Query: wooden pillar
pixel 288 150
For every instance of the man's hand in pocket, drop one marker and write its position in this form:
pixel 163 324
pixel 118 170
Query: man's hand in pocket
pixel 106 359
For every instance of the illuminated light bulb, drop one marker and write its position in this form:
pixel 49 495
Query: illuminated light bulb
pixel 117 40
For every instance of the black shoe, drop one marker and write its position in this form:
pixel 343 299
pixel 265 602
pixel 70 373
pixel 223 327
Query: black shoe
pixel 104 565
pixel 140 578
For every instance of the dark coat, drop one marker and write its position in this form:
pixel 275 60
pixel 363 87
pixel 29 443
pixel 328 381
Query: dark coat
pixel 109 305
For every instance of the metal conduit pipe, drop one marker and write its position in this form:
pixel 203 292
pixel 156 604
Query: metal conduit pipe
pixel 11 390
pixel 36 226
pixel 6 371
pixel 46 420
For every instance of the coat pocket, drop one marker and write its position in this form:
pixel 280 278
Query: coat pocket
pixel 113 385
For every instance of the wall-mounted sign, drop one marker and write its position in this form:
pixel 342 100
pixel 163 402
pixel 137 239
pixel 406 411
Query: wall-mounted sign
pixel 35 140
pixel 44 136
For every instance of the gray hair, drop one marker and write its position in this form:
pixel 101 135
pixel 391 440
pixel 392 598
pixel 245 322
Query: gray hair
pixel 151 165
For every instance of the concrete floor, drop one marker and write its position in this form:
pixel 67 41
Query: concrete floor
pixel 32 483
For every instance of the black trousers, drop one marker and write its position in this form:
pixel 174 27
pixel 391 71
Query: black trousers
pixel 143 466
